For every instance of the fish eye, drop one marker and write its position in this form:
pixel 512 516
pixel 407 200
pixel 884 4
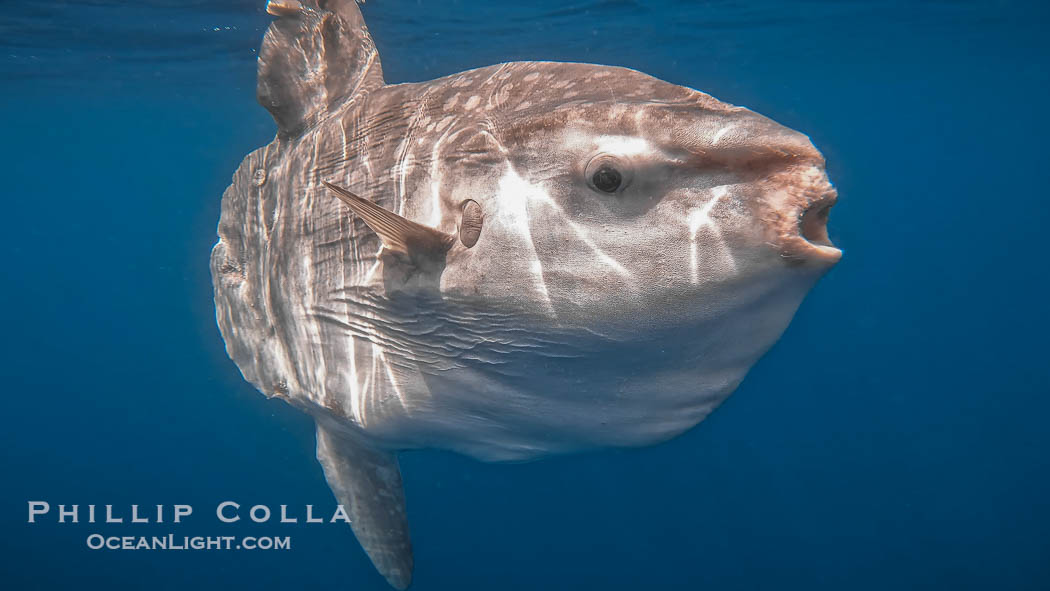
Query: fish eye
pixel 607 174
pixel 607 179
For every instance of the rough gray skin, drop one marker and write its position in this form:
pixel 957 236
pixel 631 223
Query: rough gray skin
pixel 576 319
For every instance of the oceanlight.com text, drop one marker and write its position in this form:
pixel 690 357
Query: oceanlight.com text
pixel 173 542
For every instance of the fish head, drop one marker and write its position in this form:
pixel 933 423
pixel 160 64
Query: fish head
pixel 624 204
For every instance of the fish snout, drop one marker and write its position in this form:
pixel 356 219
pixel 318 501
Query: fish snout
pixel 800 204
pixel 813 228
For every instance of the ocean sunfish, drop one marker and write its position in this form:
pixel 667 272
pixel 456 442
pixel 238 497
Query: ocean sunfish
pixel 525 259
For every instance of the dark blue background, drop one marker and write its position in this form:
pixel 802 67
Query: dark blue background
pixel 896 437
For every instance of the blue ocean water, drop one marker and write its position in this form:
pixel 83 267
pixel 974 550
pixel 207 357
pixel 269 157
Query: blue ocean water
pixel 896 436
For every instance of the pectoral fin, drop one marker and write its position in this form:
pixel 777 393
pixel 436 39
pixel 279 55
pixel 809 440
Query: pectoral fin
pixel 367 483
pixel 416 241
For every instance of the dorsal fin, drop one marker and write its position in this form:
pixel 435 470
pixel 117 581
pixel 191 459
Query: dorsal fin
pixel 315 56
pixel 418 242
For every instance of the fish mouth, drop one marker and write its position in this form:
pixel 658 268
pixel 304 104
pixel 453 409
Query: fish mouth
pixel 811 241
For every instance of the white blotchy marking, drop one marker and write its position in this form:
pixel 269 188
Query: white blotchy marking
pixel 515 192
pixel 472 102
pixel 608 260
pixel 371 277
pixel 398 390
pixel 346 145
pixel 445 122
pixel 623 145
pixel 701 218
pixel 436 178
pixel 355 386
pixel 721 133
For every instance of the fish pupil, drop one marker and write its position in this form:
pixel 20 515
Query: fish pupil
pixel 607 179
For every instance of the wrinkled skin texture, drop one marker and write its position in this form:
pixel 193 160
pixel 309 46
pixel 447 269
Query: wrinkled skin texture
pixel 581 318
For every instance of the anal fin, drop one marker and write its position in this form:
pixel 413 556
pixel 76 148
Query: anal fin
pixel 367 483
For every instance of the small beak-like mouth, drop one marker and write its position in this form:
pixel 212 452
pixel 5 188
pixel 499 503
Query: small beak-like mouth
pixel 812 240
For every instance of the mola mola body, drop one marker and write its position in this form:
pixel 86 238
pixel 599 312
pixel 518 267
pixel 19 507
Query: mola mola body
pixel 526 259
